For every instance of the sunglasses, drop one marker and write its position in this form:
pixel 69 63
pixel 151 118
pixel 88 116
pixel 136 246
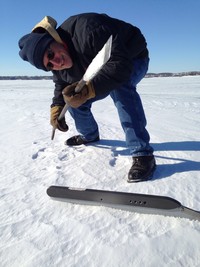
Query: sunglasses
pixel 50 56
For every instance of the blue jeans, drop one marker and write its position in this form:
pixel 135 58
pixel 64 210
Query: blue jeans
pixel 130 111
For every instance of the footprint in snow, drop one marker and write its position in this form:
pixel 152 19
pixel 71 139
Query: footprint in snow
pixel 35 155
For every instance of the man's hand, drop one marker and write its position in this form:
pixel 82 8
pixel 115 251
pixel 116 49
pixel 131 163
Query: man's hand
pixel 75 99
pixel 58 124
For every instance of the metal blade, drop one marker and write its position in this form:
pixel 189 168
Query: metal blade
pixel 140 203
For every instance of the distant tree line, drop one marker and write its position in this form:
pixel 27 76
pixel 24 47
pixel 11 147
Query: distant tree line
pixel 25 77
pixel 148 75
pixel 171 74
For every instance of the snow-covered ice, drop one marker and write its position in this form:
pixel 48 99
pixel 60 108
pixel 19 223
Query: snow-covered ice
pixel 36 231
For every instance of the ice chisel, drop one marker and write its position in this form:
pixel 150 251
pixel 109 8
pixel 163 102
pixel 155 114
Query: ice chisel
pixel 97 63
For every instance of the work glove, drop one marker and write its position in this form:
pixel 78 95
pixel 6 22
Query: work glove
pixel 75 99
pixel 58 124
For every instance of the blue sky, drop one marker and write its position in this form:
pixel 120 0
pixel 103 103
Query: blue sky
pixel 171 27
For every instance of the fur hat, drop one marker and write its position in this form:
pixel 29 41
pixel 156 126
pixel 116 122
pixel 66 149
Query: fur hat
pixel 33 47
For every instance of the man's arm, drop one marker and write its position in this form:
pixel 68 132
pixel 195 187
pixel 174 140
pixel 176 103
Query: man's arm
pixel 57 99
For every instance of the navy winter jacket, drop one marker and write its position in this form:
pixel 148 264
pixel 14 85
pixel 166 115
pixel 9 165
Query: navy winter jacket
pixel 85 35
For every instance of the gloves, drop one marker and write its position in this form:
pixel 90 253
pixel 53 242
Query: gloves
pixel 74 99
pixel 61 124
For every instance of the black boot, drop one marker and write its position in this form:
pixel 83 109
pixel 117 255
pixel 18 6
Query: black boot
pixel 142 169
pixel 78 140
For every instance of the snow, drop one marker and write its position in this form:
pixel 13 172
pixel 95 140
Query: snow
pixel 38 231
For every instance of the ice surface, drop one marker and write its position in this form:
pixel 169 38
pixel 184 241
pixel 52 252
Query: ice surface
pixel 37 231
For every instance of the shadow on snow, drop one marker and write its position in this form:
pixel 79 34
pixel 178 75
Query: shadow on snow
pixel 178 165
